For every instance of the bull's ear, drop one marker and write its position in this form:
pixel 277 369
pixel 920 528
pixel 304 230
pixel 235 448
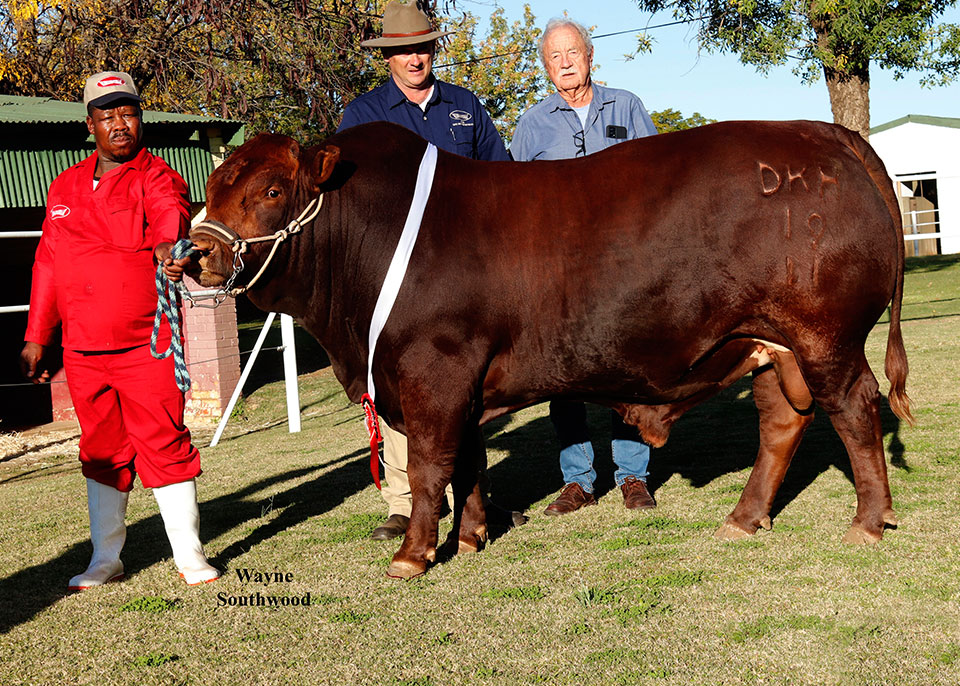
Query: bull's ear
pixel 324 162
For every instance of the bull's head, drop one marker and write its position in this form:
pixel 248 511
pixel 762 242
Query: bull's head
pixel 265 190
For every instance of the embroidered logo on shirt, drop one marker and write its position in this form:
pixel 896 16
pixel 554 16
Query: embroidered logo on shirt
pixel 110 81
pixel 59 212
pixel 461 118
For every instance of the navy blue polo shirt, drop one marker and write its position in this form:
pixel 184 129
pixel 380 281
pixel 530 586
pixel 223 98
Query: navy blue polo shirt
pixel 454 119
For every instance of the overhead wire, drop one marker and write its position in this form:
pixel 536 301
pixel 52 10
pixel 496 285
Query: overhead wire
pixel 602 35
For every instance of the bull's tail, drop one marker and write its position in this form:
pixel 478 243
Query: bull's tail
pixel 895 366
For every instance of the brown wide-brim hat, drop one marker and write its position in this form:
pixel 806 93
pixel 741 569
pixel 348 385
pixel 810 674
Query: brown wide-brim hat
pixel 404 24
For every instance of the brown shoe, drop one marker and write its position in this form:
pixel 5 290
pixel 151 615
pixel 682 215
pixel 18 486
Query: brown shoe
pixel 393 526
pixel 636 496
pixel 571 498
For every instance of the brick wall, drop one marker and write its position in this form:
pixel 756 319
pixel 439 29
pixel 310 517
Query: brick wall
pixel 213 357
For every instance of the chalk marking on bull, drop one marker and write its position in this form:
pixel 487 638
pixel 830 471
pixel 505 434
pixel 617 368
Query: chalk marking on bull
pixel 816 233
pixel 789 230
pixel 825 179
pixel 764 188
pixel 389 291
pixel 791 276
pixel 791 177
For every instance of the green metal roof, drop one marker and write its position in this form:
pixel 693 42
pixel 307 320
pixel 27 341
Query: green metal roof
pixel 949 122
pixel 25 175
pixel 35 110
pixel 40 137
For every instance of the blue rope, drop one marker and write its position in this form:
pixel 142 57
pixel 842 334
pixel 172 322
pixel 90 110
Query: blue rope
pixel 167 306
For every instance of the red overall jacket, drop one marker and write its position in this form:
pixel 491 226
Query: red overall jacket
pixel 94 269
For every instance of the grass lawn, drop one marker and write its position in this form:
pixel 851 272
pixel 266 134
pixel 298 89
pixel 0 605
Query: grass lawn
pixel 602 596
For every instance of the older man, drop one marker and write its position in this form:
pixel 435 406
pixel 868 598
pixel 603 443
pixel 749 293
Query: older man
pixel 579 119
pixel 110 220
pixel 451 118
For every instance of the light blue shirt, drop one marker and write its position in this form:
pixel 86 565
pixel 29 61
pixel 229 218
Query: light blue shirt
pixel 551 130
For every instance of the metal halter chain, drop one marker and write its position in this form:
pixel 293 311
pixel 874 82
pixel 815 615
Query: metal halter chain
pixel 239 245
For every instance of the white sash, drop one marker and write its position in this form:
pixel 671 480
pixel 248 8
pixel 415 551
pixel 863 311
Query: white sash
pixel 401 258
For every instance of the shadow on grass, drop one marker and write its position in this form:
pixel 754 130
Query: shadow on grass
pixel 29 591
pixel 932 263
pixel 716 438
pixel 268 366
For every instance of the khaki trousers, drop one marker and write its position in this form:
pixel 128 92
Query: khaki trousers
pixel 396 490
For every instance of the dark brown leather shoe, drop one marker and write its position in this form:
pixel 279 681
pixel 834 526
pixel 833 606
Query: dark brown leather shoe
pixel 571 498
pixel 636 496
pixel 393 526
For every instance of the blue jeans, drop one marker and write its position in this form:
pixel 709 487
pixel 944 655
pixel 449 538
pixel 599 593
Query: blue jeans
pixel 631 455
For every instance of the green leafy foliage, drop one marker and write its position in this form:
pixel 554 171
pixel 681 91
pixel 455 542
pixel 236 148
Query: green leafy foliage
pixel 154 659
pixel 514 593
pixel 503 68
pixel 351 617
pixel 287 67
pixel 356 527
pixel 150 604
pixel 837 38
pixel 672 120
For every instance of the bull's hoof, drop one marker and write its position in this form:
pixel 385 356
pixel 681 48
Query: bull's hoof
pixel 406 569
pixel 472 543
pixel 890 517
pixel 766 524
pixel 731 531
pixel 857 535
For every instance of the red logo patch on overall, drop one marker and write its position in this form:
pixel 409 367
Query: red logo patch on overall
pixel 59 212
pixel 110 81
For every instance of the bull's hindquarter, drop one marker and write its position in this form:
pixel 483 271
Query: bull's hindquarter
pixel 640 277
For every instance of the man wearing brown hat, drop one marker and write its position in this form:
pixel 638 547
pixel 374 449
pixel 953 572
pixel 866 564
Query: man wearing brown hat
pixel 451 118
pixel 448 116
pixel 111 219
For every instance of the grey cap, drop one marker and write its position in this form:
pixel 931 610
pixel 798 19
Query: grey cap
pixel 107 87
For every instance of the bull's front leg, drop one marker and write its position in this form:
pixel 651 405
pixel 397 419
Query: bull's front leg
pixel 430 468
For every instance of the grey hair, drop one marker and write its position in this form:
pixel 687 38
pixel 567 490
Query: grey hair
pixel 560 22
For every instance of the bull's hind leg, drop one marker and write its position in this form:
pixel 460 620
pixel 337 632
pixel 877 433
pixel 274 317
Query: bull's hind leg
pixel 855 413
pixel 781 428
pixel 469 514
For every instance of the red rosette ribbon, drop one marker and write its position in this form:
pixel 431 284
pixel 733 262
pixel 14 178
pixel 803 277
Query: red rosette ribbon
pixel 372 422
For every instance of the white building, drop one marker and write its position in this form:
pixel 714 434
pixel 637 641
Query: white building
pixel 922 156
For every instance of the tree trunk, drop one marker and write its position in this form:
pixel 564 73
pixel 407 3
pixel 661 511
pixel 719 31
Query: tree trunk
pixel 848 85
pixel 850 101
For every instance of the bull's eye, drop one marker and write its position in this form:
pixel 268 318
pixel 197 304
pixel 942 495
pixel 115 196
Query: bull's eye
pixel 273 193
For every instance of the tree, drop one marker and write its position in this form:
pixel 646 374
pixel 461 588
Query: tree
pixel 282 65
pixel 503 69
pixel 840 38
pixel 288 66
pixel 672 120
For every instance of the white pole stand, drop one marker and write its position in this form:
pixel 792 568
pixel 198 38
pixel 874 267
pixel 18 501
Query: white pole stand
pixel 289 375
pixel 290 372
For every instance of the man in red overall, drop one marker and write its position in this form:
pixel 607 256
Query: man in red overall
pixel 110 220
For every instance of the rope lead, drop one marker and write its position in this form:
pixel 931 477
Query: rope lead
pixel 167 306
